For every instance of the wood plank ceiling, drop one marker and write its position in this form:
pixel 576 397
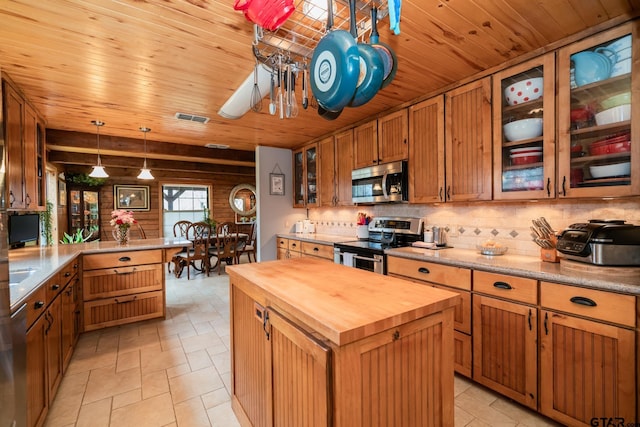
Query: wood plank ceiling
pixel 133 63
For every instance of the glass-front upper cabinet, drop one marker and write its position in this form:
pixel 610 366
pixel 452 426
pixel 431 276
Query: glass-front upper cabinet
pixel 524 130
pixel 596 109
pixel 84 213
pixel 305 171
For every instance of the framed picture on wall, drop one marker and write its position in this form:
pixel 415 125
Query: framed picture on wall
pixel 131 197
pixel 62 193
pixel 276 184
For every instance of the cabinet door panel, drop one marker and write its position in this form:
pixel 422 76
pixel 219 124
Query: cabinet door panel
pixel 426 151
pixel 365 145
pixel 54 347
pixel 586 370
pixel 468 142
pixel 37 389
pixel 301 376
pixel 30 143
pixel 505 348
pixel 14 113
pixel 327 169
pixel 344 166
pixel 393 137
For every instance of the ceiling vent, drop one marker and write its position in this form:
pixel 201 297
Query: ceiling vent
pixel 218 146
pixel 192 118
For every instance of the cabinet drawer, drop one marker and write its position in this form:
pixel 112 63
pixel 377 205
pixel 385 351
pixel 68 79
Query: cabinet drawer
pixel 294 245
pixel 504 286
pixel 111 282
pixel 600 305
pixel 120 310
pixel 283 243
pixel 121 259
pixel 68 271
pixel 36 304
pixel 315 249
pixel 53 287
pixel 435 273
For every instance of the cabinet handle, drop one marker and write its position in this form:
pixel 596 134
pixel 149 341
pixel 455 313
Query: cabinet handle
pixel 424 270
pixel 396 335
pixel 38 304
pixel 440 194
pixel 69 291
pixel 546 327
pixel 448 192
pixel 27 200
pixel 502 285
pixel 12 198
pixel 124 302
pixel 49 318
pixel 55 287
pixel 530 326
pixel 316 249
pixel 583 301
pixel 405 141
pixel 564 185
pixel 67 274
pixel 75 266
pixel 548 187
pixel 265 324
pixel 293 245
pixel 133 270
pixel 124 259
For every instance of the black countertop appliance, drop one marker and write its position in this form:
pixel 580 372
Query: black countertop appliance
pixel 601 242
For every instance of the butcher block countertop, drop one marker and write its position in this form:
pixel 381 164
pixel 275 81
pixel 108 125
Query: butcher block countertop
pixel 340 303
pixel 615 279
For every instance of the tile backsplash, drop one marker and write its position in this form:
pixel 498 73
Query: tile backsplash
pixel 469 224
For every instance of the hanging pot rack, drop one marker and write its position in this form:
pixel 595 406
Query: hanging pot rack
pixel 294 42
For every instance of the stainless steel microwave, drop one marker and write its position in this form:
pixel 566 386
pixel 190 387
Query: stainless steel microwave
pixel 386 183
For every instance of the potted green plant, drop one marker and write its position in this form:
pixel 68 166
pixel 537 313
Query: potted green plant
pixel 46 219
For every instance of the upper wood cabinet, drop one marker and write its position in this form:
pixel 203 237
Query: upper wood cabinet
pixel 382 141
pixel 335 164
pixel 468 142
pixel 24 138
pixel 426 151
pixel 365 145
pixel 305 176
pixel 595 115
pixel 524 130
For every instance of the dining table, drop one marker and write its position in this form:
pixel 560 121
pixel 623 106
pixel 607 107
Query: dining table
pixel 212 243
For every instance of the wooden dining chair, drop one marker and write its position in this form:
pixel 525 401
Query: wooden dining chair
pixel 179 230
pixel 199 233
pixel 249 247
pixel 226 244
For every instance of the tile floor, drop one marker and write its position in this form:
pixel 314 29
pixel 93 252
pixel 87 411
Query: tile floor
pixel 175 372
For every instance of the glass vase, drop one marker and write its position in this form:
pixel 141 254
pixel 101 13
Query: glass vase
pixel 121 235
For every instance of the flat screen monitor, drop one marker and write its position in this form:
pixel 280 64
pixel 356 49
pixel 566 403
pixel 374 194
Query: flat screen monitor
pixel 23 229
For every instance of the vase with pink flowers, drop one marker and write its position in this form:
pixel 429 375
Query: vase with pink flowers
pixel 121 221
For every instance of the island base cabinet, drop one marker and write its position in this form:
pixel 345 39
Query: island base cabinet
pixel 107 312
pixel 400 377
pixel 586 371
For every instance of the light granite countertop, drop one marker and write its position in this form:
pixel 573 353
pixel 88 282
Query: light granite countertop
pixel 329 239
pixel 606 278
pixel 32 266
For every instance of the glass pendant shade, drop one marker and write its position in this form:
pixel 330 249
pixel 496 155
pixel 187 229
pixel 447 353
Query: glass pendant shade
pixel 98 170
pixel 145 173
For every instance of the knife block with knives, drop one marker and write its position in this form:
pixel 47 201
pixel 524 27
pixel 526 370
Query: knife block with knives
pixel 544 237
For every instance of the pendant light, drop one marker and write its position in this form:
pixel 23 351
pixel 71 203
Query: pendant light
pixel 98 171
pixel 145 173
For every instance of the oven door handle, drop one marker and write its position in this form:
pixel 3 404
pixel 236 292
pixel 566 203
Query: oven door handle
pixel 384 185
pixel 364 258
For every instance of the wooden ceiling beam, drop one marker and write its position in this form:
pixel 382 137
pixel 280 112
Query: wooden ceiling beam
pixel 80 142
pixel 156 165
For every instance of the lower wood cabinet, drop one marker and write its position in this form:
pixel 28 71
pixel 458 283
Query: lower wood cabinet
pixel 294 248
pixel 587 363
pixel 70 319
pixel 37 366
pixel 122 287
pixel 505 333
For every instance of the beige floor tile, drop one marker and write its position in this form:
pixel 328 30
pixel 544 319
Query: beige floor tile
pixel 222 416
pixel 461 417
pixel 170 341
pixel 84 362
pixel 138 342
pixel 523 415
pixel 154 412
pixel 151 327
pixel 199 360
pixel 106 382
pixel 200 342
pixel 216 398
pixel 154 360
pixel 192 413
pixel 174 328
pixel 154 383
pixel 128 361
pixel 482 411
pixel 95 414
pixel 127 398
pixel 461 384
pixel 107 341
pixel 64 411
pixel 176 371
pixel 222 362
pixel 193 384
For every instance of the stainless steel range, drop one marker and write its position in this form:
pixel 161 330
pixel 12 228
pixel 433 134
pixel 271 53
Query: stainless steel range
pixel 384 232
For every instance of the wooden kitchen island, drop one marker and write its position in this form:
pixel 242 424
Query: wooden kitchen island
pixel 316 344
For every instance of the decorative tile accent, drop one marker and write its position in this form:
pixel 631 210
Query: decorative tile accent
pixel 461 230
pixel 514 234
pixel 477 231
pixel 495 232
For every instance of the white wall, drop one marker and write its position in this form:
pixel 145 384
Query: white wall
pixel 275 213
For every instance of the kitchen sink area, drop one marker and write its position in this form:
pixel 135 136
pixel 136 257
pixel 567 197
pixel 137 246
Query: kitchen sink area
pixel 17 276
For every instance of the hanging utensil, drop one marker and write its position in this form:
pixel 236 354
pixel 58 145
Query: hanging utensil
pixel 305 95
pixel 280 101
pixel 256 96
pixel 288 86
pixel 294 104
pixel 272 95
